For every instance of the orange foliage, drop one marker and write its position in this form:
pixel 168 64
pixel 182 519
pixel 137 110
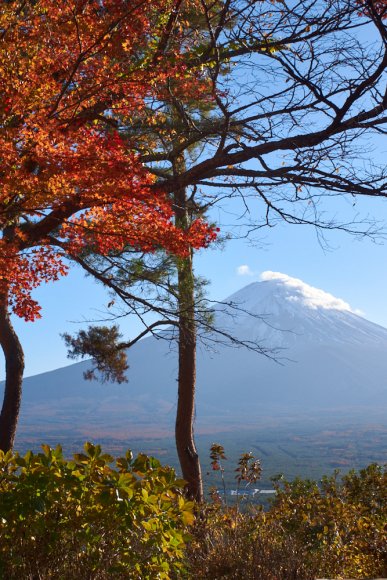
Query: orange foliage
pixel 67 70
pixel 378 6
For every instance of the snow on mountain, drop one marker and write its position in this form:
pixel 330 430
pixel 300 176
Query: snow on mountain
pixel 328 355
pixel 329 358
pixel 293 312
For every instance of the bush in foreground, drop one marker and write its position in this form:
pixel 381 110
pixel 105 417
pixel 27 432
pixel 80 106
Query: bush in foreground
pixel 337 529
pixel 85 519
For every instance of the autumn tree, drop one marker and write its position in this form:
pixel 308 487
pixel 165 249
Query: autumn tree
pixel 68 179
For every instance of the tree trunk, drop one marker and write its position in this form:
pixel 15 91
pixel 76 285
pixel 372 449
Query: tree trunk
pixel 185 416
pixel 14 368
pixel 186 449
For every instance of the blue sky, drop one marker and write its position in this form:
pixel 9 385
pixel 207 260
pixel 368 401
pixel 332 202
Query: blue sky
pixel 353 270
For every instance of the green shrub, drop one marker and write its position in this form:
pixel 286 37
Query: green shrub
pixel 342 521
pixel 85 519
pixel 337 529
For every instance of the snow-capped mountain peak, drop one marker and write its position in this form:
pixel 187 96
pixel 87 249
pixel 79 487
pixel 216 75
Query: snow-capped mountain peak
pixel 296 290
pixel 291 312
pixel 330 357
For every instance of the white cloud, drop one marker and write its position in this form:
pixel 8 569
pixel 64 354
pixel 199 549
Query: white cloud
pixel 308 295
pixel 244 270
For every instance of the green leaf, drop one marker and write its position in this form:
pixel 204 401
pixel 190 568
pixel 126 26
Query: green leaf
pixel 188 518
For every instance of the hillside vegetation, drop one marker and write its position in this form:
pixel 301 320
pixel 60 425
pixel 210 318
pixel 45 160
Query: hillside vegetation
pixel 84 518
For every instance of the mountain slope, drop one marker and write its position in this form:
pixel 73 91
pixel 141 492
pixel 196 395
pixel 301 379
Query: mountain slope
pixel 329 358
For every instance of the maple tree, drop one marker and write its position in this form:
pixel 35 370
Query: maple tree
pixel 68 179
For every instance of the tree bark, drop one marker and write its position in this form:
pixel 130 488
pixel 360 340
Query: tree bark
pixel 14 368
pixel 185 416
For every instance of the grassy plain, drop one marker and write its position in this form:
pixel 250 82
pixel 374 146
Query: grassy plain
pixel 299 444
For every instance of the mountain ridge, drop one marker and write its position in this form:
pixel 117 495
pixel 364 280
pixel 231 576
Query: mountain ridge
pixel 334 359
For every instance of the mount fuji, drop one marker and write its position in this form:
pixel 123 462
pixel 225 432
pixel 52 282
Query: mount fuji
pixel 328 358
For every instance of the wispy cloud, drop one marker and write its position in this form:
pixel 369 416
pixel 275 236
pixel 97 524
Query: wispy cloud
pixel 244 270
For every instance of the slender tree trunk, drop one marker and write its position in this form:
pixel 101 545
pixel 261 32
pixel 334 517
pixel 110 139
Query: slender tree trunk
pixel 185 443
pixel 14 368
pixel 188 456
